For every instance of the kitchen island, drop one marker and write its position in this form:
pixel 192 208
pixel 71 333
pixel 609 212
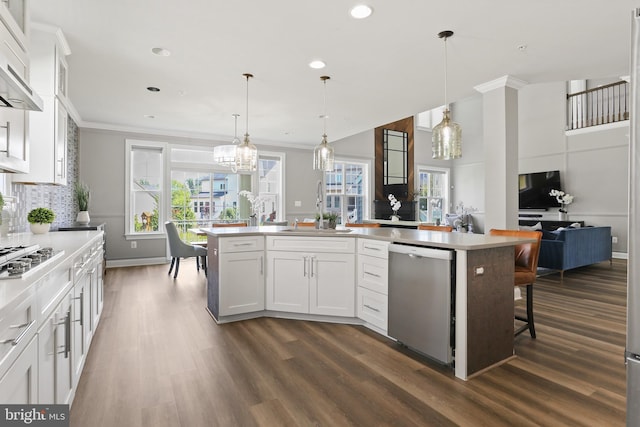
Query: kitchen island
pixel 342 276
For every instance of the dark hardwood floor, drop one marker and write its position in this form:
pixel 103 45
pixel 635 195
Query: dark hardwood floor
pixel 158 359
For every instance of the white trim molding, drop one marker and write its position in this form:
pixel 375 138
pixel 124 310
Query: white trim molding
pixel 504 81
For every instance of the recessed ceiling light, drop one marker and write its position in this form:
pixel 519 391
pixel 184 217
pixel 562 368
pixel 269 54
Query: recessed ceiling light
pixel 317 64
pixel 153 89
pixel 149 116
pixel 160 51
pixel 361 11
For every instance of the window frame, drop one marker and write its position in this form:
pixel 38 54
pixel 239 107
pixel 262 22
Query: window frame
pixel 130 233
pixel 281 214
pixel 367 192
pixel 447 190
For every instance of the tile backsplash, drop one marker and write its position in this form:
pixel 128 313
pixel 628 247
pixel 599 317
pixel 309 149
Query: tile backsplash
pixel 59 198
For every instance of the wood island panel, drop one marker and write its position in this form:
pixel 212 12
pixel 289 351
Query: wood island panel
pixel 490 307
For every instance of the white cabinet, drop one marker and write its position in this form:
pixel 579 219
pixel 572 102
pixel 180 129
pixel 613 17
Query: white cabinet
pixel 81 320
pixel 95 272
pixel 14 141
pixel 241 274
pixel 19 353
pixel 48 129
pixel 20 384
pixel 311 275
pixel 373 280
pixel 14 15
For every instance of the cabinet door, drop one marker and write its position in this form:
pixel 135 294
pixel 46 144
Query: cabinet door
pixel 288 281
pixel 332 285
pixel 80 325
pixel 63 353
pixel 60 166
pixel 242 279
pixel 20 384
pixel 46 362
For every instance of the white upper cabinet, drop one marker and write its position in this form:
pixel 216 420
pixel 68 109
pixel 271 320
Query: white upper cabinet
pixel 48 129
pixel 14 16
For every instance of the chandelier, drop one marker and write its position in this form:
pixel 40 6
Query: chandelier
pixel 323 153
pixel 246 152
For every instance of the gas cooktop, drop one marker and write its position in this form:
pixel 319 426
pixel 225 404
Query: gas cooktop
pixel 18 261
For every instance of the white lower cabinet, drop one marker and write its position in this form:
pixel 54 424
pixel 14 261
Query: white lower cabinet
pixel 20 384
pixel 55 366
pixel 81 324
pixel 318 282
pixel 373 282
pixel 243 276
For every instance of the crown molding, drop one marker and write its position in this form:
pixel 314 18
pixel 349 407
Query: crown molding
pixel 504 81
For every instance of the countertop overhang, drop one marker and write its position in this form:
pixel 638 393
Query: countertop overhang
pixel 436 239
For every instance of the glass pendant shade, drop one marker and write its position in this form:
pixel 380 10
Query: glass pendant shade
pixel 323 156
pixel 246 153
pixel 323 153
pixel 447 139
pixel 225 155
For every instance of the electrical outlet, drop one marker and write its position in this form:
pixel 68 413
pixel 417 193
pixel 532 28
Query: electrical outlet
pixel 614 239
pixel 478 271
pixel 297 203
pixel 134 244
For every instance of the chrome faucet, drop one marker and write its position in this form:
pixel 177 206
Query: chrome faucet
pixel 319 203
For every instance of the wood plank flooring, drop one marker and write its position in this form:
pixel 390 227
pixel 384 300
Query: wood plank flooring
pixel 158 359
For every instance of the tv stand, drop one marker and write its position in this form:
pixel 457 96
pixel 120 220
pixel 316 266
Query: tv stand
pixel 549 225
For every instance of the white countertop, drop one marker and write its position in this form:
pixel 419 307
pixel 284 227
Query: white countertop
pixel 438 239
pixel 13 291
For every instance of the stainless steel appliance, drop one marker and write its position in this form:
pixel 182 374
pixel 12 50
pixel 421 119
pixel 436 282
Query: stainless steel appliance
pixel 20 261
pixel 420 300
pixel 632 352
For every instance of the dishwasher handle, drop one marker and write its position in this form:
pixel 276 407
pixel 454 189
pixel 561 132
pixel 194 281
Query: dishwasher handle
pixel 421 251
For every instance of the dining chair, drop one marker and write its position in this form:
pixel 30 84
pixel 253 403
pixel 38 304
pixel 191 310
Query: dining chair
pixel 445 228
pixel 526 266
pixel 180 249
pixel 284 223
pixel 306 224
pixel 362 225
pixel 229 224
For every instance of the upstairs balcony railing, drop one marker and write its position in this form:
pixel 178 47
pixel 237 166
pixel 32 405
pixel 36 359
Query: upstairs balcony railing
pixel 598 106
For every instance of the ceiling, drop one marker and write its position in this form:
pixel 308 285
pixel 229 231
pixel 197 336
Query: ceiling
pixel 383 68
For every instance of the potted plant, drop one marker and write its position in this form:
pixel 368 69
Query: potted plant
pixel 82 196
pixel 329 219
pixel 40 220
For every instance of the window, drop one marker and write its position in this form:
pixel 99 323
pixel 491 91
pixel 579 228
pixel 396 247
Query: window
pixel 270 187
pixel 346 190
pixel 433 194
pixel 145 187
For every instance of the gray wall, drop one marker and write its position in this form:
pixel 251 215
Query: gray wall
pixel 102 160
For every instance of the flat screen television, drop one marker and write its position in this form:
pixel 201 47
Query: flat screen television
pixel 534 190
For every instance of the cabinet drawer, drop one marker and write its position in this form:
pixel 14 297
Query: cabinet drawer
pixel 376 248
pixel 16 330
pixel 241 244
pixel 373 273
pixel 372 308
pixel 51 288
pixel 311 244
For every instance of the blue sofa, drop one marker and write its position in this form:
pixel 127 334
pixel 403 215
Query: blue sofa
pixel 569 248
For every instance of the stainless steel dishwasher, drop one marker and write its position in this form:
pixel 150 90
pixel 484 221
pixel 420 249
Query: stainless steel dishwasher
pixel 420 299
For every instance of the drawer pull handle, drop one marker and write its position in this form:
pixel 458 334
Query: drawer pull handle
pixel 372 248
pixel 372 308
pixel 16 340
pixel 243 244
pixel 373 274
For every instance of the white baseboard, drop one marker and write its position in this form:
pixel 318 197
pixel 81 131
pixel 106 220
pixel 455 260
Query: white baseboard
pixel 620 255
pixel 135 262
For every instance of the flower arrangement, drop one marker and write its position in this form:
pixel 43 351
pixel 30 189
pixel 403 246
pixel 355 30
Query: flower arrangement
pixel 83 195
pixel 563 198
pixel 395 204
pixel 464 212
pixel 254 200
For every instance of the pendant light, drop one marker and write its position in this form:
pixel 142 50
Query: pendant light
pixel 447 135
pixel 225 155
pixel 246 153
pixel 323 153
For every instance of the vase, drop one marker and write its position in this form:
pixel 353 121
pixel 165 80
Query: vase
pixel 253 221
pixel 83 217
pixel 563 216
pixel 37 228
pixel 395 218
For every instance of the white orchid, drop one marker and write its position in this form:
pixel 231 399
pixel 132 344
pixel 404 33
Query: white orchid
pixel 563 198
pixel 253 199
pixel 395 204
